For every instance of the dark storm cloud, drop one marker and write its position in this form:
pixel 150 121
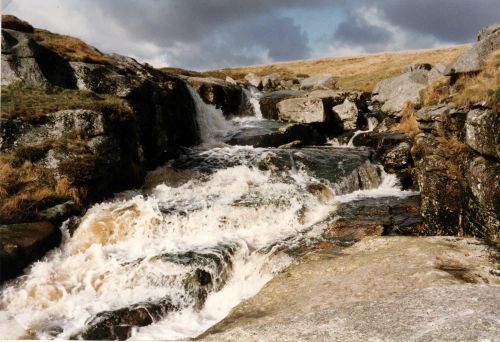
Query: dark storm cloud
pixel 359 31
pixel 454 21
pixel 205 34
pixel 216 33
pixel 418 22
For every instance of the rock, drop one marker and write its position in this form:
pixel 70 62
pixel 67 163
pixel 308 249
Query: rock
pixel 58 213
pixel 308 108
pixel 394 92
pixel 385 288
pixel 397 158
pixel 332 98
pixel 118 324
pixel 457 184
pixel 268 102
pixel 21 244
pixel 325 81
pixel 224 95
pixel 254 80
pixel 413 67
pixel 392 150
pixel 443 120
pixel 482 129
pixel 278 135
pixel 23 59
pixel 348 114
pixel 472 59
pixel 301 110
pixel 270 81
pixel 355 220
pixel 230 80
pixel 487 31
pixel 481 204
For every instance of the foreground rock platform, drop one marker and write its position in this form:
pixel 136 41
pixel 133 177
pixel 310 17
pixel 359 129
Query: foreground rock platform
pixel 382 288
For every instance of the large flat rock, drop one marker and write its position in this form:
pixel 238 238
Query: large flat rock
pixel 383 288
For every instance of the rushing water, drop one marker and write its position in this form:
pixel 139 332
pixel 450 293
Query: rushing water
pixel 206 231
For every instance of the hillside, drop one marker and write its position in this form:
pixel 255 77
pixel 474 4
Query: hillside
pixel 354 72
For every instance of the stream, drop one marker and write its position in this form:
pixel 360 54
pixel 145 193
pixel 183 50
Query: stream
pixel 206 231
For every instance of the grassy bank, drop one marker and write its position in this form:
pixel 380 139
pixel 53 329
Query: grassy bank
pixel 354 72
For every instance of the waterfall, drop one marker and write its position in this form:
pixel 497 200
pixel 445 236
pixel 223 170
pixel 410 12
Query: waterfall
pixel 211 122
pixel 254 101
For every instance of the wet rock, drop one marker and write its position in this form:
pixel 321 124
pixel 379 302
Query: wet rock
pixel 21 244
pixel 472 59
pixel 278 135
pixel 224 95
pixel 118 324
pixel 58 213
pixel 348 114
pixel 211 270
pixel 481 132
pixel 325 81
pixel 396 91
pixel 268 102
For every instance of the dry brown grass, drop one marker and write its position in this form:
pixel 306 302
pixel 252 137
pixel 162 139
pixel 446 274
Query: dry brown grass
pixel 408 123
pixel 70 48
pixel 353 72
pixel 25 187
pixel 468 88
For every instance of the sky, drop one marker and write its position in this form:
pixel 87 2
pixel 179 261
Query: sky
pixel 208 34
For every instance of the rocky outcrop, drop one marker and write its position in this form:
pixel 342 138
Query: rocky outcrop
pixel 269 101
pixel 302 110
pixel 472 59
pixel 339 109
pixel 394 92
pixel 224 95
pixel 24 60
pixel 482 129
pixel 21 244
pixel 458 171
pixel 347 112
pixel 325 81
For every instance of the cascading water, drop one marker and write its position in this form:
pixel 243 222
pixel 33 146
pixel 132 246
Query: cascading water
pixel 209 230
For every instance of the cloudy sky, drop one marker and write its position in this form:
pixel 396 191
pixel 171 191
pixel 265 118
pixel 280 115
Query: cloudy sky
pixel 204 34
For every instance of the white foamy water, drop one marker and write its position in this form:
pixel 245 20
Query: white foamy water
pixel 114 258
pixel 372 122
pixel 253 96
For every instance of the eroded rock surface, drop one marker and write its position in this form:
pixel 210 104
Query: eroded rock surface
pixel 387 288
